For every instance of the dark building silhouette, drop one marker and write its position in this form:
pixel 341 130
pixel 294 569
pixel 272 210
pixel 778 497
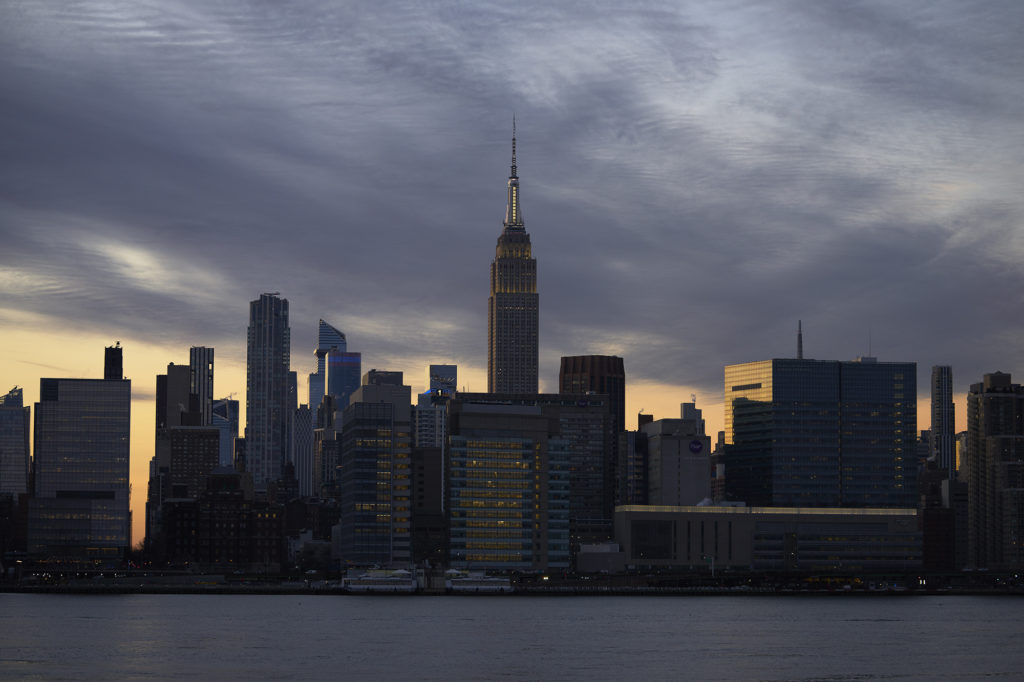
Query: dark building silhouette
pixel 597 374
pixel 995 463
pixel 512 308
pixel 606 375
pixel 187 446
pixel 79 511
pixel 429 523
pixel 113 363
pixel 943 429
pixel 15 422
pixel 224 528
pixel 200 362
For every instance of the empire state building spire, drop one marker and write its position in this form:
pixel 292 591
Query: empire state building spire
pixel 513 213
pixel 512 308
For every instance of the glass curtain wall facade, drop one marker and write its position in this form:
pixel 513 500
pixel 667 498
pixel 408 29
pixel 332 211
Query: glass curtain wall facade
pixel 508 488
pixel 375 472
pixel 878 414
pixel 816 433
pixel 344 370
pixel 80 506
pixel 364 482
pixel 15 420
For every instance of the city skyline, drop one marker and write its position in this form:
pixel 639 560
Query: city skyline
pixel 698 181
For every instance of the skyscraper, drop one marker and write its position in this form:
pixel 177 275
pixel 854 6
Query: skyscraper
pixel 430 414
pixel 267 413
pixel 343 375
pixel 200 362
pixel 943 420
pixel 328 338
pixel 80 507
pixel 375 472
pixel 512 308
pixel 995 465
pixel 508 486
pixel 14 426
pixel 820 433
pixel 597 374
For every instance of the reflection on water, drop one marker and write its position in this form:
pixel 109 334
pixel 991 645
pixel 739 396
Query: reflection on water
pixel 440 638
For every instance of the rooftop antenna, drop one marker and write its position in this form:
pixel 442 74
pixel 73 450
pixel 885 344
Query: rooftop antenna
pixel 514 146
pixel 799 340
pixel 870 354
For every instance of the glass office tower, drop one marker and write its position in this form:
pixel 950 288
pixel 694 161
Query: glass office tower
pixel 816 433
pixel 80 506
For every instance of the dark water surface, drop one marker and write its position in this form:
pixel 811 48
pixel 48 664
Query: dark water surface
pixel 510 638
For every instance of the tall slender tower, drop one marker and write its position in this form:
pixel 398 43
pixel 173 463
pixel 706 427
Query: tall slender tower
pixel 328 338
pixel 943 420
pixel 512 306
pixel 200 362
pixel 266 394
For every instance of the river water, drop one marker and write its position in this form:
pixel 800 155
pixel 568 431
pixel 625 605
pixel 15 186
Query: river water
pixel 758 638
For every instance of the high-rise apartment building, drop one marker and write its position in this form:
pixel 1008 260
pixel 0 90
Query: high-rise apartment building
pixel 995 468
pixel 80 511
pixel 267 399
pixel 512 308
pixel 943 431
pixel 430 413
pixel 817 433
pixel 200 362
pixel 15 420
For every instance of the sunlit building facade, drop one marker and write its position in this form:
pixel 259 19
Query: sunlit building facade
pixel 512 308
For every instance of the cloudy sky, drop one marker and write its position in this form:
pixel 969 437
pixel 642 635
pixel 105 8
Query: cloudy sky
pixel 696 177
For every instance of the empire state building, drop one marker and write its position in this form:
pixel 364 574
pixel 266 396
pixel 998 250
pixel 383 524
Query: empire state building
pixel 512 305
